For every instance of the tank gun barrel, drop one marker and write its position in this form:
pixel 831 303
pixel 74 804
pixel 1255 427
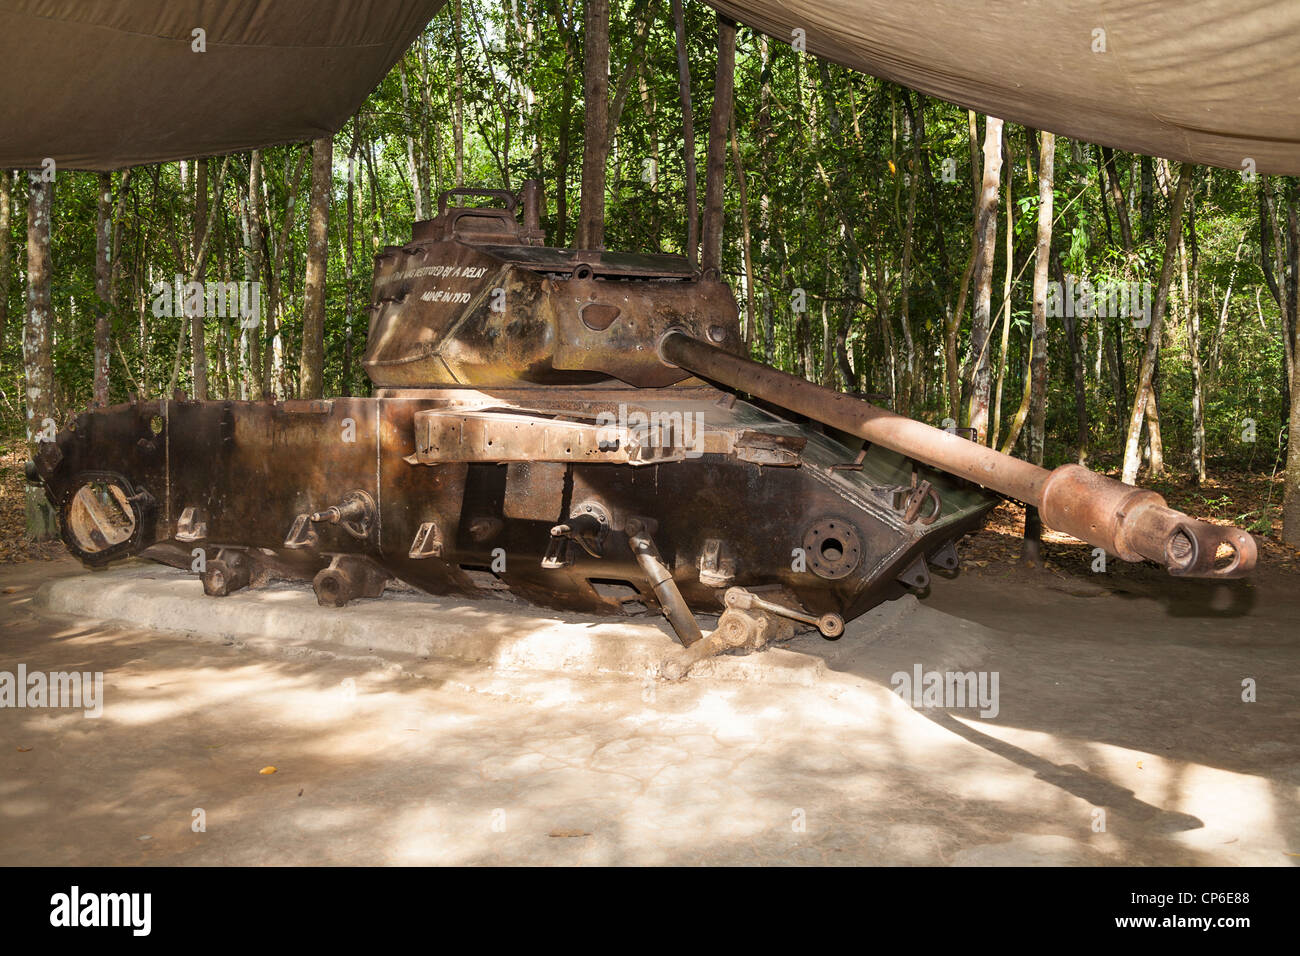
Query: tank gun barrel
pixel 1131 523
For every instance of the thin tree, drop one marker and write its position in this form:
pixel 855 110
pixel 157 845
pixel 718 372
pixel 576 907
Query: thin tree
pixel 273 263
pixel 910 371
pixel 1032 549
pixel 1212 367
pixel 311 361
pixel 1188 260
pixel 1283 278
pixel 198 349
pixel 1009 266
pixel 952 370
pixel 1117 196
pixel 595 145
pixel 688 134
pixel 746 245
pixel 38 369
pixel 645 11
pixel 652 174
pixel 1274 269
pixel 986 228
pixel 458 110
pixel 564 17
pixel 203 242
pixel 349 266
pixel 1146 370
pixel 1038 364
pixel 251 339
pixel 103 277
pixel 414 151
pixel 715 170
pixel 6 253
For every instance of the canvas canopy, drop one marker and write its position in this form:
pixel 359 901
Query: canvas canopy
pixel 110 83
pixel 100 84
pixel 1209 81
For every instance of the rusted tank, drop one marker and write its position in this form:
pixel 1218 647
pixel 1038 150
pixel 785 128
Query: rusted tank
pixel 566 426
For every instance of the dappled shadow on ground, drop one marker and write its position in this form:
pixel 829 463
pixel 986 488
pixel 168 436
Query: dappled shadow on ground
pixel 1093 789
pixel 463 766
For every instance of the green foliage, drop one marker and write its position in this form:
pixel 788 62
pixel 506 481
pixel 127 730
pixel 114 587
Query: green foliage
pixel 828 157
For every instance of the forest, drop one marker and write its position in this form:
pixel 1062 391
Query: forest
pixel 1065 301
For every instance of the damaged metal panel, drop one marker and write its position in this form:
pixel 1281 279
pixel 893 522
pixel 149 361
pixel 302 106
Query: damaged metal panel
pixel 534 490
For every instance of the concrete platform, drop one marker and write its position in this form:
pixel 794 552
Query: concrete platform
pixel 406 626
pixel 1121 736
pixel 285 619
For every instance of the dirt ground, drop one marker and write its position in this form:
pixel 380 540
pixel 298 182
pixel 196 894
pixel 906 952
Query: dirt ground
pixel 1121 738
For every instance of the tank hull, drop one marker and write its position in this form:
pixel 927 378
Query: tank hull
pixel 462 491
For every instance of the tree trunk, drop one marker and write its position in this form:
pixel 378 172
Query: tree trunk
pixel 1038 370
pixel 1274 268
pixel 103 277
pixel 1212 369
pixel 349 270
pixel 910 372
pixel 223 327
pixel 769 329
pixel 431 153
pixel 715 169
pixel 562 154
pixel 1146 370
pixel 1004 359
pixel 645 11
pixel 688 135
pixel 828 340
pixel 1192 309
pixel 6 253
pixel 38 368
pixel 311 361
pixel 763 142
pixel 952 367
pixel 1291 481
pixel 1117 196
pixel 1113 345
pixel 275 268
pixel 1155 440
pixel 414 159
pixel 986 227
pixel 852 278
pixel 198 341
pixel 1291 478
pixel 1074 340
pixel 1022 410
pixel 595 143
pixel 957 383
pixel 1103 189
pixel 202 244
pixel 886 333
pixel 648 107
pixel 746 247
pixel 1146 201
pixel 458 112
pixel 252 353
